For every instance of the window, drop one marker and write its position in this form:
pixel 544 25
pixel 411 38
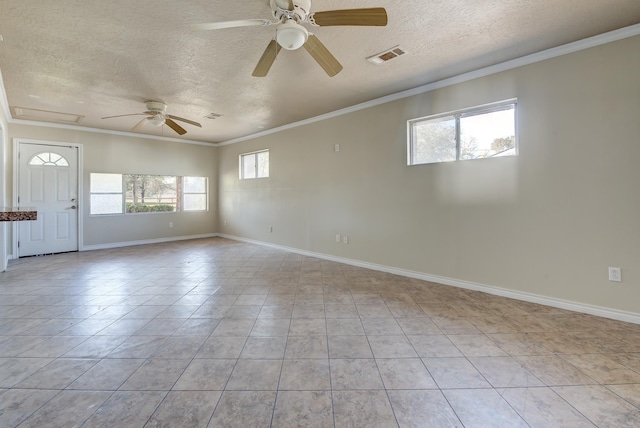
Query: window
pixel 48 159
pixel 139 193
pixel 481 132
pixel 151 193
pixel 194 193
pixel 254 165
pixel 106 194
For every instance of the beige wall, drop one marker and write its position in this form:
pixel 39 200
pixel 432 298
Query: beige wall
pixel 123 154
pixel 548 222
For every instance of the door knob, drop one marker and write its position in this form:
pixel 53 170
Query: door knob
pixel 73 207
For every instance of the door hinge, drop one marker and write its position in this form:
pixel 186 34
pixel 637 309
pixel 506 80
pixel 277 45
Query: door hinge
pixel 18 244
pixel 18 199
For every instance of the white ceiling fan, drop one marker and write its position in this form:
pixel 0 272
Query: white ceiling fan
pixel 291 34
pixel 157 116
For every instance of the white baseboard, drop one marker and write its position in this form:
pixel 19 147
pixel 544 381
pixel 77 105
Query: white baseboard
pixel 145 242
pixel 615 314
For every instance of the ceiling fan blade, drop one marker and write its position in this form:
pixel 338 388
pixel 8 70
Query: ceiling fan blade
pixel 322 56
pixel 179 129
pixel 267 59
pixel 375 16
pixel 233 24
pixel 140 124
pixel 123 115
pixel 182 119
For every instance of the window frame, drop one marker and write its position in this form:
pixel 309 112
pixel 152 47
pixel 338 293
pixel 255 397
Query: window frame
pixel 255 154
pixel 457 115
pixel 184 193
pixel 136 190
pixel 121 193
pixel 179 205
pixel 64 163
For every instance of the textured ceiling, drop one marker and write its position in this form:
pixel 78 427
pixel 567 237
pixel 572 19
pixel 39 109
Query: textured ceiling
pixel 100 58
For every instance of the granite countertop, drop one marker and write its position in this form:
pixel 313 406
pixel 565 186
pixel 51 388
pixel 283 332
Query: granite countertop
pixel 18 214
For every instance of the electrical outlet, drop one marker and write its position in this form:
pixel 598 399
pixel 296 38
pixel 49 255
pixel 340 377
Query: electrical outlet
pixel 338 238
pixel 225 222
pixel 345 239
pixel 615 274
pixel 170 224
pixel 270 228
pixel 336 147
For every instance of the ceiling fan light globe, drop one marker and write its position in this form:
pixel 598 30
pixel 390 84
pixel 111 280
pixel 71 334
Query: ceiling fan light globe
pixel 291 35
pixel 156 120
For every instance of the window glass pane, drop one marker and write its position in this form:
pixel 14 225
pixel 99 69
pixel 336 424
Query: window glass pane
pixel 62 162
pixel 48 159
pixel 106 183
pixel 263 164
pixel 249 166
pixel 195 184
pixel 434 140
pixel 488 134
pixel 254 165
pixel 195 202
pixel 150 193
pixel 106 204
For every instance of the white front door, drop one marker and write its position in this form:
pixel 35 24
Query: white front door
pixel 48 181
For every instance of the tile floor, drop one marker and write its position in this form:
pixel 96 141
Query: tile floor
pixel 219 333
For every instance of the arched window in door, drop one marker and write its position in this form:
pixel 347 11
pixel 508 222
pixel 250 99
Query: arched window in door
pixel 48 159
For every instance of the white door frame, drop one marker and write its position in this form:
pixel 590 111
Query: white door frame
pixel 3 175
pixel 16 145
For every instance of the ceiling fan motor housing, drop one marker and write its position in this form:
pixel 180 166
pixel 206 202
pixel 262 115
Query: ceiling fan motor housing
pixel 156 107
pixel 299 12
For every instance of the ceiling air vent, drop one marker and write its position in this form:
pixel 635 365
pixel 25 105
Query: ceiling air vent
pixel 387 55
pixel 212 116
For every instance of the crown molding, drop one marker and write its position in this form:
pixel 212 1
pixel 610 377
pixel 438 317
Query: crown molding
pixel 580 45
pixel 4 104
pixel 566 49
pixel 105 131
